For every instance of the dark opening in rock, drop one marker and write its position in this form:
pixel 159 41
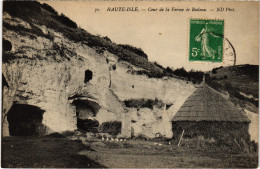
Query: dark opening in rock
pixel 88 76
pixel 7 45
pixel 87 125
pixel 4 82
pixel 86 110
pixel 114 67
pixel 25 120
pixel 168 106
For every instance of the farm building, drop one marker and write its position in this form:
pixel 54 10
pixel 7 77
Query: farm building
pixel 208 118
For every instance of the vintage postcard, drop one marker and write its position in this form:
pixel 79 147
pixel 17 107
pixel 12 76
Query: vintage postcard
pixel 130 84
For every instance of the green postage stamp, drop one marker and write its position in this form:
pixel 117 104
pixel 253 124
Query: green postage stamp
pixel 206 40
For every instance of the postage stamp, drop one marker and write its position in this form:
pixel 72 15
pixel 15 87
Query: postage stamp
pixel 206 40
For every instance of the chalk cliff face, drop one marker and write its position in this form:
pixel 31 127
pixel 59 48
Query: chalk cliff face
pixel 130 86
pixel 54 73
pixel 38 75
pixel 150 121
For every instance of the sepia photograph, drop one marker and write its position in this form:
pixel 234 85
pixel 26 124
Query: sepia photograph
pixel 130 84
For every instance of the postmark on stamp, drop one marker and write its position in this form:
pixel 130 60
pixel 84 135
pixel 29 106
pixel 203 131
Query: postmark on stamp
pixel 206 40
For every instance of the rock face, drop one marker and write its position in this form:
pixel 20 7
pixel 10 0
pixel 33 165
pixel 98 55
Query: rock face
pixel 56 74
pixel 53 83
pixel 146 121
pixel 253 126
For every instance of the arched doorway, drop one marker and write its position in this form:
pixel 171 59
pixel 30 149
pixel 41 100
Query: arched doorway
pixel 25 120
pixel 86 111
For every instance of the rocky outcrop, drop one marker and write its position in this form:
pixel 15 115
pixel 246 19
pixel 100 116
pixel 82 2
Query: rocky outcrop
pixel 50 74
pixel 149 121
pixel 53 72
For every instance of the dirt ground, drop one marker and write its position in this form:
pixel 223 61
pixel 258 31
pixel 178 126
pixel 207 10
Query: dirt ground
pixel 58 151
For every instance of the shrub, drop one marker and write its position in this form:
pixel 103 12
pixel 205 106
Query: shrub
pixel 141 103
pixel 49 8
pixel 214 71
pixel 158 65
pixel 228 86
pixel 22 9
pixel 181 72
pixel 66 21
pixel 135 50
pixel 107 39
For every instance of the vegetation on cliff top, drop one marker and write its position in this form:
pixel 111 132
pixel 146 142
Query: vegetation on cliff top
pixel 241 82
pixel 35 13
pixel 42 14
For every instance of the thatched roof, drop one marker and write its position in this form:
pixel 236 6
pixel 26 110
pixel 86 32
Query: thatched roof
pixel 206 104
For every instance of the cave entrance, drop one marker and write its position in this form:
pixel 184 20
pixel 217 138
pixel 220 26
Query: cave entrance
pixel 7 45
pixel 86 111
pixel 25 120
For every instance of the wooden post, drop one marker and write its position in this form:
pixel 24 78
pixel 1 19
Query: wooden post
pixel 163 118
pixel 181 138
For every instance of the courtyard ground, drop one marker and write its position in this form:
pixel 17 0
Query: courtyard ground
pixel 58 151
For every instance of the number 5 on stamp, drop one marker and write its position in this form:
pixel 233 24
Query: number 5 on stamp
pixel 206 40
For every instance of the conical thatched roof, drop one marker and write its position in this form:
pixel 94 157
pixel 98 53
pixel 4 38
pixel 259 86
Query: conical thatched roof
pixel 206 104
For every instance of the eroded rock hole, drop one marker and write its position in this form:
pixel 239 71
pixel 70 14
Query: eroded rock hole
pixel 25 120
pixel 7 45
pixel 88 76
pixel 168 106
pixel 114 67
pixel 86 112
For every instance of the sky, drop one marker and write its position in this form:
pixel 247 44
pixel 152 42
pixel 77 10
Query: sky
pixel 164 36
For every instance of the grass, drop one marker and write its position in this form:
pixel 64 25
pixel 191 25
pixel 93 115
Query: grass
pixel 237 79
pixel 53 152
pixel 46 152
